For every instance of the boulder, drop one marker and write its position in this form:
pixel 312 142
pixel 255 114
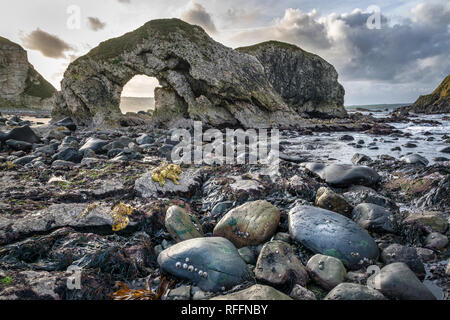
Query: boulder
pixel 21 86
pixel 301 293
pixel 326 271
pixel 278 265
pixel 66 122
pixel 397 281
pixel 213 264
pixel 68 154
pixel 256 292
pixel 415 159
pixel 359 159
pixel 19 145
pixel 356 195
pixel 408 255
pixel 428 221
pixel 305 81
pixel 353 291
pixel 330 200
pixel 55 216
pixel 24 134
pixel 329 233
pixel 212 83
pixel 93 144
pixel 373 217
pixel 343 175
pixel 252 223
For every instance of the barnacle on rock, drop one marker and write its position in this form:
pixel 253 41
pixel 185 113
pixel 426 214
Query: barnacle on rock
pixel 166 171
pixel 120 213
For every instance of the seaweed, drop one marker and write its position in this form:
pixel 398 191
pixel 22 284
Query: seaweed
pixel 125 293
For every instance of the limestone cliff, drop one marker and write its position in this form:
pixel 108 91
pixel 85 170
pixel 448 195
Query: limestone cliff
pixel 305 81
pixel 21 86
pixel 208 81
pixel 436 102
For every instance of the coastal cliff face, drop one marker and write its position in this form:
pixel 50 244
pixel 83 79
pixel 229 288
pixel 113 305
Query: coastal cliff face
pixel 210 82
pixel 436 102
pixel 272 85
pixel 305 81
pixel 20 84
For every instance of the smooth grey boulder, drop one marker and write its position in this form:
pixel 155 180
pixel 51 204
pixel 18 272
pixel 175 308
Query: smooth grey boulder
pixel 353 291
pixel 343 175
pixel 397 281
pixel 415 159
pixel 373 217
pixel 21 86
pixel 213 264
pixel 332 234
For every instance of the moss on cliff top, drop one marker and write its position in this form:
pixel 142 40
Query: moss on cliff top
pixel 112 48
pixel 279 44
pixel 441 92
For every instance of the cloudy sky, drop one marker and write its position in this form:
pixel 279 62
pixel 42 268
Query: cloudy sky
pixel 407 54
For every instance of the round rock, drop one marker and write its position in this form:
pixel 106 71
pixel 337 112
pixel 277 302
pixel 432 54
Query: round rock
pixel 373 217
pixel 343 175
pixel 332 234
pixel 216 260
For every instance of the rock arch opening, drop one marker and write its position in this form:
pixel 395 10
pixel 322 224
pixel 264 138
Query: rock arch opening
pixel 138 94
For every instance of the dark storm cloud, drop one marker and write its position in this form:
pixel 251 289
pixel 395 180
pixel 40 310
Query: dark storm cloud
pixel 95 24
pixel 415 48
pixel 49 45
pixel 394 52
pixel 196 14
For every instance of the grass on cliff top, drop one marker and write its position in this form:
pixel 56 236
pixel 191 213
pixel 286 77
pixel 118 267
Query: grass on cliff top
pixel 279 44
pixel 42 90
pixel 442 91
pixel 112 48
